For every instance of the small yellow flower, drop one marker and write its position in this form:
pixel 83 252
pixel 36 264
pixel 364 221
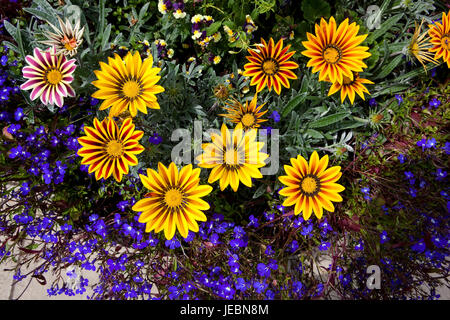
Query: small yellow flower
pixel 217 59
pixel 197 18
pixel 291 35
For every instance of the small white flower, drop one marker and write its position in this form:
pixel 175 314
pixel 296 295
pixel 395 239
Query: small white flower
pixel 162 7
pixel 179 14
pixel 197 34
pixel 217 36
pixel 197 18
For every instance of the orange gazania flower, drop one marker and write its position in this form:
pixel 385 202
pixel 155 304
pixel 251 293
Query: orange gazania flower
pixel 440 38
pixel 419 46
pixel 269 66
pixel 109 150
pixel 349 87
pixel 311 187
pixel 335 51
pixel 249 114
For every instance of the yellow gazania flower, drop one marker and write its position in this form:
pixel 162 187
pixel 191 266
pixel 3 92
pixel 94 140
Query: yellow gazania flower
pixel 233 157
pixel 335 51
pixel 109 150
pixel 349 87
pixel 127 84
pixel 269 66
pixel 311 187
pixel 249 115
pixel 419 45
pixel 440 38
pixel 174 201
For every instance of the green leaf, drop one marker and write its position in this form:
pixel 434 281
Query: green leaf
pixel 328 120
pixel 73 12
pixel 305 84
pixel 15 33
pixel 13 47
pixel 390 90
pixel 10 28
pixel 314 133
pixel 387 69
pixel 45 6
pixel 102 16
pixel 414 73
pixel 385 27
pixel 44 16
pixel 229 24
pixel 348 125
pixel 291 105
pixel 264 6
pixel 105 37
pixel 260 191
pixel 143 11
pixel 314 9
pixel 213 28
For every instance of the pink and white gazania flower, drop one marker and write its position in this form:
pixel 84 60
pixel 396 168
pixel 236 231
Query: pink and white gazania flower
pixel 49 76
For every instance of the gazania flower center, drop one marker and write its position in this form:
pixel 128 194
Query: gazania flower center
pixel 270 66
pixel 231 157
pixel 54 76
pixel 310 185
pixel 173 198
pixel 332 54
pixel 445 41
pixel 347 80
pixel 114 148
pixel 131 89
pixel 414 47
pixel 69 44
pixel 221 92
pixel 248 120
pixel 376 118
